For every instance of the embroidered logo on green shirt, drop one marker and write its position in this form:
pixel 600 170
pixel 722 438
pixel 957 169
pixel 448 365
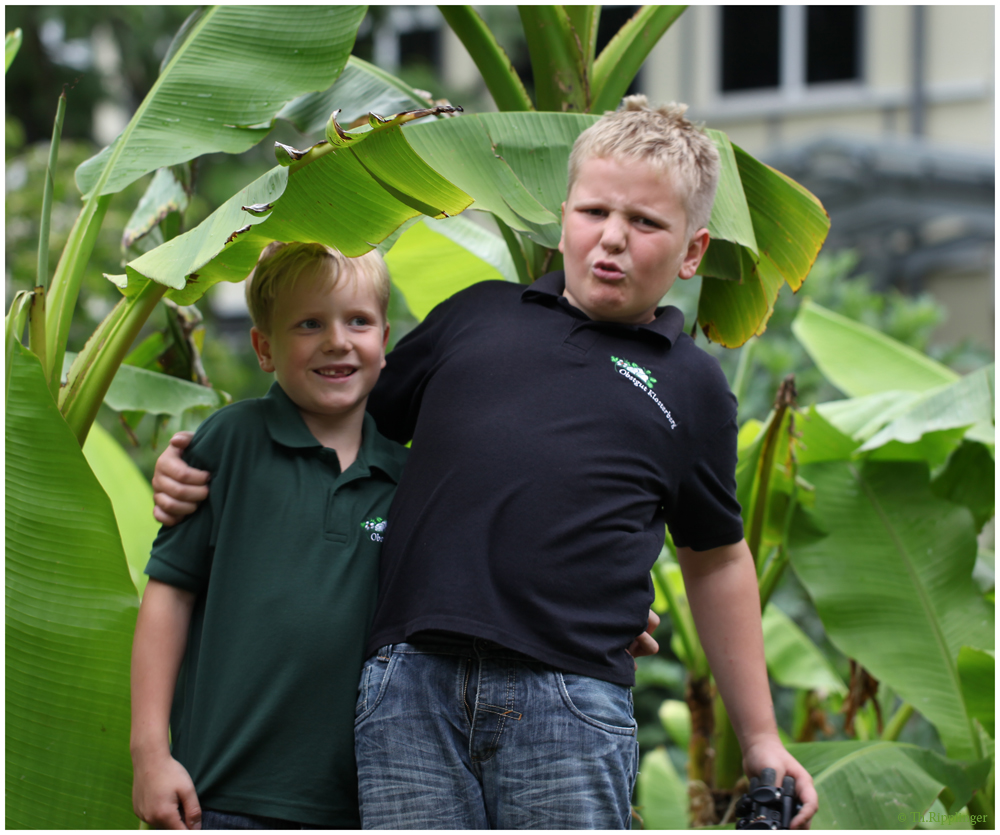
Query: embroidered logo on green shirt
pixel 376 527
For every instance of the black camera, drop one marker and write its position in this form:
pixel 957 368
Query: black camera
pixel 766 806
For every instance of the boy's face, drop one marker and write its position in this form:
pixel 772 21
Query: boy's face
pixel 327 344
pixel 625 240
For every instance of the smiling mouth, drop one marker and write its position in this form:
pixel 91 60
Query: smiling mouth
pixel 334 373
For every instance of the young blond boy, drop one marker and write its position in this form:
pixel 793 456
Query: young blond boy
pixel 556 429
pixel 252 628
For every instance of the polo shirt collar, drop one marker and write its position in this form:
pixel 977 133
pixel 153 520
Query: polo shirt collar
pixel 669 321
pixel 285 426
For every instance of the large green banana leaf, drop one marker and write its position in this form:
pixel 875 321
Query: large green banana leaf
pixel 859 360
pixel 131 497
pixel 793 660
pixel 964 403
pixel 889 568
pixel 348 197
pixel 434 259
pixel 70 615
pixel 789 226
pixel 882 785
pixel 515 165
pixel 228 72
pixel 362 88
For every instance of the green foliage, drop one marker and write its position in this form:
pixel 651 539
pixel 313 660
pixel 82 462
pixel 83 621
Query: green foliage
pixel 71 611
pixel 834 284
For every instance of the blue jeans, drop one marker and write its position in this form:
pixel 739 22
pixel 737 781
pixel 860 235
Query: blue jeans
pixel 464 734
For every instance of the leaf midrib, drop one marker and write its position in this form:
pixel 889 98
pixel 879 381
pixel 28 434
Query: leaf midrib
pixel 923 598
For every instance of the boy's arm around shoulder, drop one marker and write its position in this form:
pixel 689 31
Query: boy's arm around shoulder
pixel 182 472
pixel 163 793
pixel 721 587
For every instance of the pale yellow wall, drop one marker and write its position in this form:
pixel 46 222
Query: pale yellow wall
pixel 888 45
pixel 963 124
pixel 960 43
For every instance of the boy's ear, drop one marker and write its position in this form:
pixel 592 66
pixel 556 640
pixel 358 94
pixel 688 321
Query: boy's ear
pixel 695 252
pixel 262 346
pixel 385 343
pixel 562 224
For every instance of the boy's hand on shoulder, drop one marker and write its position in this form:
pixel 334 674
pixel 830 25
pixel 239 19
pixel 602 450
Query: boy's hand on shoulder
pixel 770 753
pixel 177 488
pixel 163 794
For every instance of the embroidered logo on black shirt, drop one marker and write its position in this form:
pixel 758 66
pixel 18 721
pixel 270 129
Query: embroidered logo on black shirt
pixel 642 378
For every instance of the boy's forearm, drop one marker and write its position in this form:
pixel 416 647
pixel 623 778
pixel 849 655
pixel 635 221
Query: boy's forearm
pixel 721 586
pixel 160 640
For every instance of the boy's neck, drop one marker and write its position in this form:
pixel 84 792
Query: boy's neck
pixel 341 433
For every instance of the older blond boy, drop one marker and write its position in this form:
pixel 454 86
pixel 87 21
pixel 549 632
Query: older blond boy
pixel 556 429
pixel 252 628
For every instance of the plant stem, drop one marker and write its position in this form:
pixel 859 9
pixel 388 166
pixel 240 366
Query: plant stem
pixel 980 805
pixel 621 59
pixel 898 721
pixel 513 242
pixel 561 82
pixel 43 227
pixel 744 363
pixel 498 72
pixel 728 754
pixel 14 327
pixel 683 624
pixel 36 324
pixel 80 409
pixel 65 286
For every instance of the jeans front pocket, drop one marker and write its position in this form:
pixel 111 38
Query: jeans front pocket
pixel 374 678
pixel 600 703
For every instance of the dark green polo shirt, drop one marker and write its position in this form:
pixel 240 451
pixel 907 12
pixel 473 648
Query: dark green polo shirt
pixel 284 558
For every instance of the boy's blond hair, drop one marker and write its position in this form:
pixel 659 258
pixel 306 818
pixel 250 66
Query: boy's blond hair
pixel 280 265
pixel 665 139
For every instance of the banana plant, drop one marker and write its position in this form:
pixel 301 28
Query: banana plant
pixel 67 641
pixel 875 501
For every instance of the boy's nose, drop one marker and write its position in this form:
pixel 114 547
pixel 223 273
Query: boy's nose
pixel 338 340
pixel 614 234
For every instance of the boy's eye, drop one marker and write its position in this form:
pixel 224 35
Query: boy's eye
pixel 309 324
pixel 359 321
pixel 645 221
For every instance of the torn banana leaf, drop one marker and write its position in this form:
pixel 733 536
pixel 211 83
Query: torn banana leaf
pixel 349 194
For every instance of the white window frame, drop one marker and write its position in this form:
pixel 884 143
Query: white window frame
pixel 792 92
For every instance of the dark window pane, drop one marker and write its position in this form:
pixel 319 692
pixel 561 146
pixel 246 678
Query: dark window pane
pixel 832 43
pixel 419 46
pixel 751 47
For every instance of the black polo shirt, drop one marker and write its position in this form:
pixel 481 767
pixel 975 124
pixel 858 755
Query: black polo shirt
pixel 284 559
pixel 549 450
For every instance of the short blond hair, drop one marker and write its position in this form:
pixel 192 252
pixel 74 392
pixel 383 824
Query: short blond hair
pixel 665 139
pixel 280 265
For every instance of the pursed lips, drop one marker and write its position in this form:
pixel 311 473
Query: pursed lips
pixel 607 271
